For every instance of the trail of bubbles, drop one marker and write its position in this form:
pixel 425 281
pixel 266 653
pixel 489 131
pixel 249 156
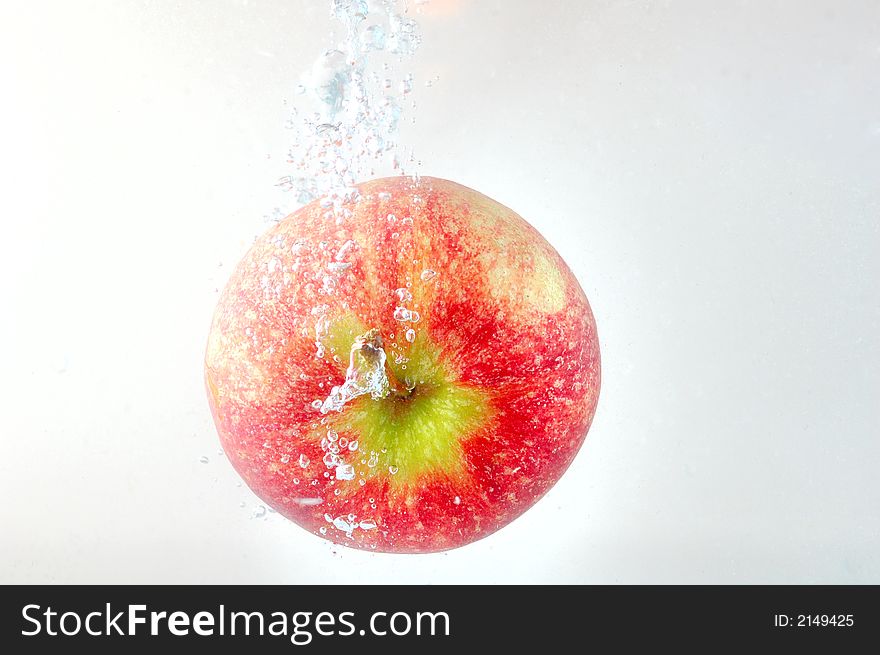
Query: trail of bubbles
pixel 346 122
pixel 345 126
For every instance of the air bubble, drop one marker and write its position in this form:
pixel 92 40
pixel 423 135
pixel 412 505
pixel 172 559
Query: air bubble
pixel 410 335
pixel 428 275
pixel 344 250
pixel 404 37
pixel 204 459
pixel 373 38
pixel 345 472
pixel 393 469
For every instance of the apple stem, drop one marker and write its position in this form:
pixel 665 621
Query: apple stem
pixel 397 388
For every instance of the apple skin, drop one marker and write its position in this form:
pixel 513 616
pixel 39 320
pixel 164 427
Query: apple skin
pixel 505 364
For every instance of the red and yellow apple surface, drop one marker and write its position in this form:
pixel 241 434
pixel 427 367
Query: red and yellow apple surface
pixel 409 379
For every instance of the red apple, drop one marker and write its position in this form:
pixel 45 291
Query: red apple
pixel 409 379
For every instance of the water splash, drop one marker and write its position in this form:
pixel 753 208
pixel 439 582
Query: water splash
pixel 365 375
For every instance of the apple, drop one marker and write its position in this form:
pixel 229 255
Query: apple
pixel 409 379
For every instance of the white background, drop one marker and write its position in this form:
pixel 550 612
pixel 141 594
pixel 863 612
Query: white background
pixel 709 170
